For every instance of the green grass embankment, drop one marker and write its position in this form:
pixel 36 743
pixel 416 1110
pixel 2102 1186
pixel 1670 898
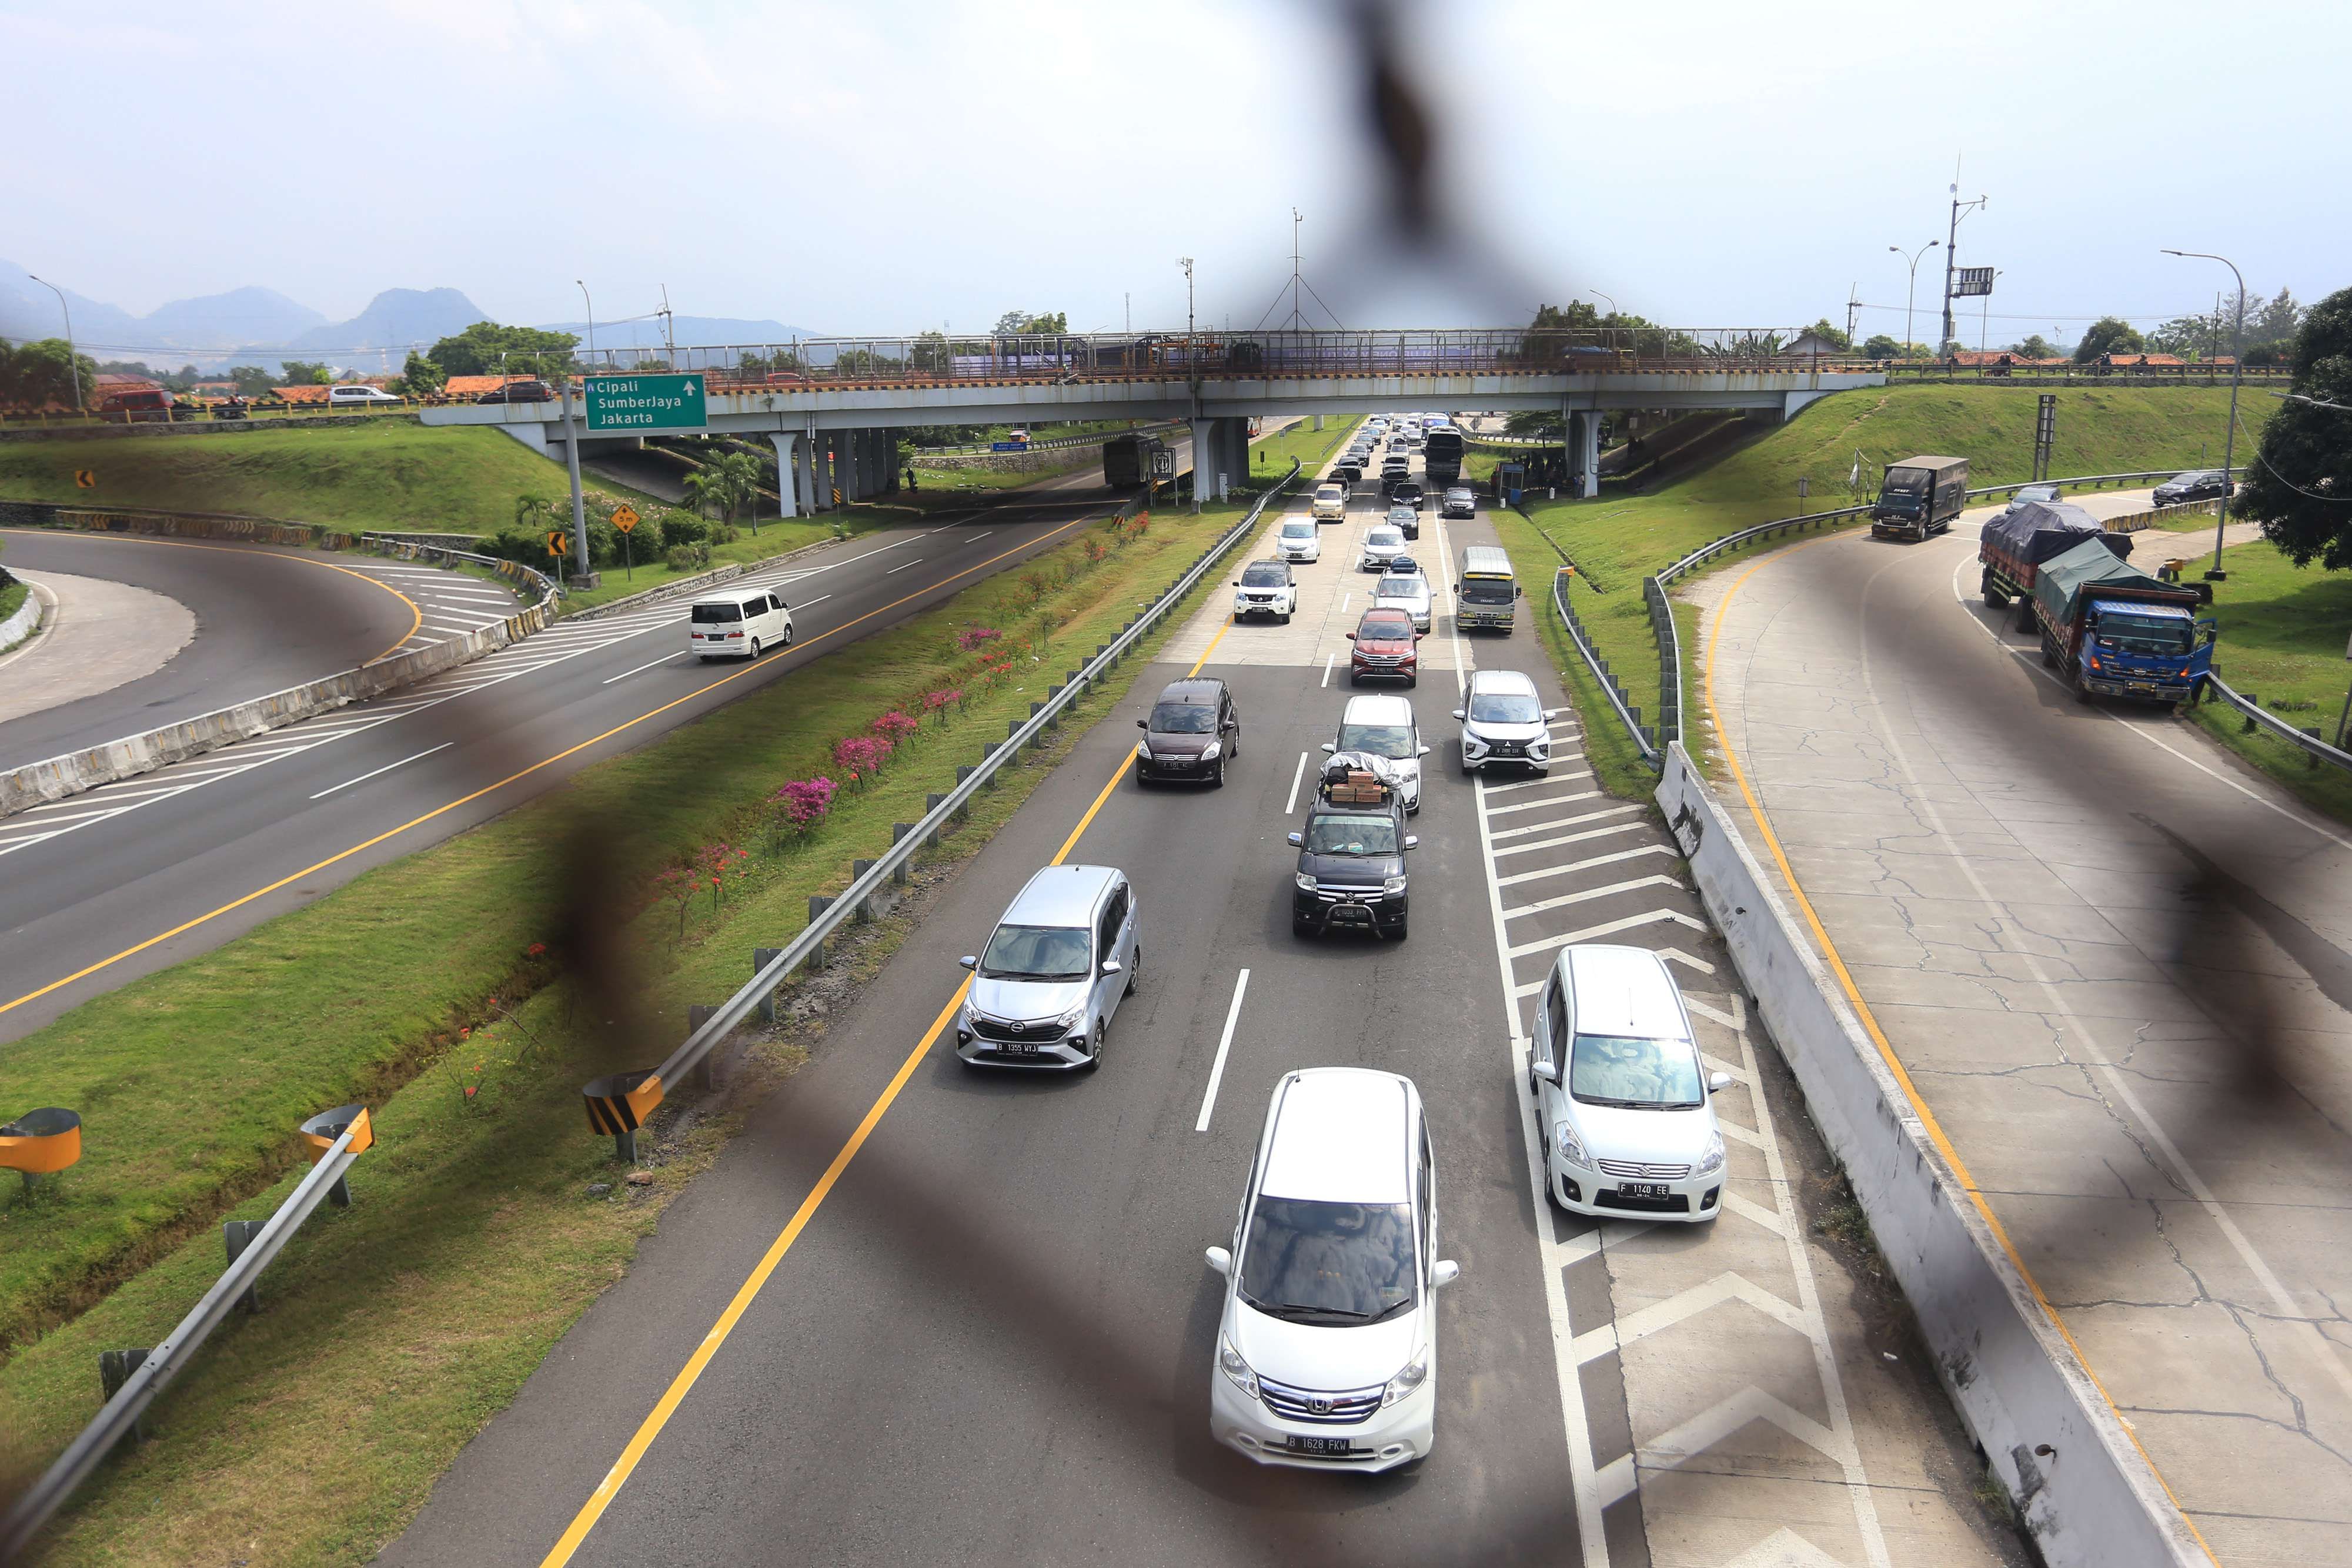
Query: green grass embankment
pixel 12 598
pixel 394 1330
pixel 2283 631
pixel 1617 540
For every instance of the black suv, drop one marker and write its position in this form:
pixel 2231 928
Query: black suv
pixel 520 391
pixel 2198 485
pixel 1193 731
pixel 1350 869
pixel 1408 493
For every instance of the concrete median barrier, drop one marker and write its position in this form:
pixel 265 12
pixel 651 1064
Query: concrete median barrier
pixel 57 778
pixel 2081 1483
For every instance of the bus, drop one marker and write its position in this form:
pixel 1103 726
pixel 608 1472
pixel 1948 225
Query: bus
pixel 1441 454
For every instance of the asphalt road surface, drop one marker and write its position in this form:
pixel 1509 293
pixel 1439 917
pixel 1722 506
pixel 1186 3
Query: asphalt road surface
pixel 267 619
pixel 2117 965
pixel 992 1341
pixel 144 873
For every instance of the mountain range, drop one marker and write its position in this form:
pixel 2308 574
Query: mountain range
pixel 256 325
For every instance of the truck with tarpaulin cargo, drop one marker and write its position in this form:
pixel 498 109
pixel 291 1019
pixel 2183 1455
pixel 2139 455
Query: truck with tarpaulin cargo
pixel 2013 545
pixel 1918 496
pixel 2116 632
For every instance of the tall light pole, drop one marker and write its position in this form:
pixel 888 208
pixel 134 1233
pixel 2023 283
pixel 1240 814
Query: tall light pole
pixel 592 317
pixel 1952 255
pixel 75 365
pixel 1186 263
pixel 2229 436
pixel 1913 288
pixel 1613 304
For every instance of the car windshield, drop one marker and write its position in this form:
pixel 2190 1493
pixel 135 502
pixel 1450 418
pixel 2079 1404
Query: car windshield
pixel 1400 515
pixel 1487 589
pixel 1333 1263
pixel 1299 530
pixel 1183 718
pixel 1388 627
pixel 1401 585
pixel 1035 953
pixel 1264 576
pixel 1384 539
pixel 1394 741
pixel 1335 833
pixel 1505 707
pixel 1328 493
pixel 706 615
pixel 1635 1074
pixel 2163 636
pixel 1909 481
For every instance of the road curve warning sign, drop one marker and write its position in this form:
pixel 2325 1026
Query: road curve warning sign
pixel 86 478
pixel 556 543
pixel 625 517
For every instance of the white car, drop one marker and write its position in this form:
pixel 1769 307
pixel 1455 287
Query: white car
pixel 742 624
pixel 1298 540
pixel 1382 724
pixel 1327 1347
pixel 1381 543
pixel 1331 504
pixel 1504 720
pixel 1264 588
pixel 1625 1106
pixel 358 396
pixel 1405 590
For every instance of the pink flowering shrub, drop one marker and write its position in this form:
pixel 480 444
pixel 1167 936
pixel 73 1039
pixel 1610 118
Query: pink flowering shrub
pixel 974 637
pixel 860 756
pixel 895 726
pixel 803 803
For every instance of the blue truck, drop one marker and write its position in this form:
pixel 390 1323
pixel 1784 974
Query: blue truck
pixel 2113 631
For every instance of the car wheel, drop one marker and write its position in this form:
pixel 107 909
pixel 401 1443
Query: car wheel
pixel 1217 780
pixel 788 637
pixel 1102 1043
pixel 755 647
pixel 1134 970
pixel 1413 680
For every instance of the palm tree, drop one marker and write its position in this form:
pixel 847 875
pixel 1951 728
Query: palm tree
pixel 742 471
pixel 705 487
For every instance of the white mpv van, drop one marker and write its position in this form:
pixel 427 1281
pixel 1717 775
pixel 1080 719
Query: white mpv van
pixel 743 624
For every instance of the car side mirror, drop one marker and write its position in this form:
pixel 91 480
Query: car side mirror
pixel 1221 1261
pixel 1419 635
pixel 1237 583
pixel 1143 724
pixel 1716 1082
pixel 1298 838
pixel 1412 840
pixel 1519 594
pixel 1444 1273
pixel 1423 752
pixel 970 960
pixel 1330 745
pixel 1542 1070
pixel 1461 713
pixel 1110 965
pixel 1351 637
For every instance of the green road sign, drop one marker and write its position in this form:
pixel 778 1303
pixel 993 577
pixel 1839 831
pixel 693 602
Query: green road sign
pixel 622 405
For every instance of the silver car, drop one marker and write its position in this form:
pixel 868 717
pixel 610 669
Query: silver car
pixel 1405 590
pixel 1381 544
pixel 1045 989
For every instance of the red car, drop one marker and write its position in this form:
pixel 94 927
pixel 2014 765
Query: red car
pixel 1385 648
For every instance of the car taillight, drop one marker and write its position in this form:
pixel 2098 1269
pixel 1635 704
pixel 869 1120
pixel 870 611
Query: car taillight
pixel 734 634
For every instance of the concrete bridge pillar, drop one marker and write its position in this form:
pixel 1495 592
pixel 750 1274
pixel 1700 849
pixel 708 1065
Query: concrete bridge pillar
pixel 853 467
pixel 1237 449
pixel 787 445
pixel 812 498
pixel 885 443
pixel 1584 452
pixel 1204 459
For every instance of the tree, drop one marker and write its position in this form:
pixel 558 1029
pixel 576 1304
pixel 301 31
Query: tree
pixel 2034 347
pixel 1880 346
pixel 420 377
pixel 930 354
pixel 1536 424
pixel 2299 488
pixel 306 372
pixel 1830 335
pixel 1021 323
pixel 41 374
pixel 251 380
pixel 487 348
pixel 2109 335
pixel 707 487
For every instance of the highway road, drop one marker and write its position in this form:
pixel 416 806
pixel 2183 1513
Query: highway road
pixel 144 873
pixel 987 1338
pixel 266 618
pixel 2117 965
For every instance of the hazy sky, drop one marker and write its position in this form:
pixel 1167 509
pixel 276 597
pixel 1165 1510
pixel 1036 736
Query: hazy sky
pixel 882 166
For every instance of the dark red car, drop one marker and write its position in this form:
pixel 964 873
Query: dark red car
pixel 1385 649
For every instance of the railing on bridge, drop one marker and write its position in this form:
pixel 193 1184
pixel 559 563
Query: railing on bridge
pixel 938 357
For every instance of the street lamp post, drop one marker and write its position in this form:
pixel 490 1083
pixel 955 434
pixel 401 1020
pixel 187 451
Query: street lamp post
pixel 592 319
pixel 1191 374
pixel 75 365
pixel 2229 436
pixel 1913 288
pixel 1613 304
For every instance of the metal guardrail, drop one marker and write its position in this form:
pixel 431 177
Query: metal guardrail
pixel 157 1366
pixel 1627 715
pixel 1668 637
pixel 2261 718
pixel 618 1104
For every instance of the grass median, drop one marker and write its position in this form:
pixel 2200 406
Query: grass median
pixel 2283 642
pixel 1616 540
pixel 394 1329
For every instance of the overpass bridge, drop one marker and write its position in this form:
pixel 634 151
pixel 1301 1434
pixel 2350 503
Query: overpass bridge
pixel 829 405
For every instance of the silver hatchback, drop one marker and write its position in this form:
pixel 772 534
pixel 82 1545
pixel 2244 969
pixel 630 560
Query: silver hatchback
pixel 1045 989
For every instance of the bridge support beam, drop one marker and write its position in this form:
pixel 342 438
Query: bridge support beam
pixel 886 445
pixel 811 499
pixel 1204 459
pixel 1588 453
pixel 787 444
pixel 852 466
pixel 1237 450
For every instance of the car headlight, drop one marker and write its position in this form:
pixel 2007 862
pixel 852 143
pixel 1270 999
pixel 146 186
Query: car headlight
pixel 1712 1161
pixel 1538 747
pixel 1394 884
pixel 1472 743
pixel 1209 752
pixel 1306 883
pixel 1230 1363
pixel 1412 1375
pixel 1144 751
pixel 1572 1150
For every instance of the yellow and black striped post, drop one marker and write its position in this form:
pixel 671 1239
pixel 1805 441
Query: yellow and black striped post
pixel 619 1104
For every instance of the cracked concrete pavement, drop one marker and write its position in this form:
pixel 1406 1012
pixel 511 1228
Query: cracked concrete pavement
pixel 2118 967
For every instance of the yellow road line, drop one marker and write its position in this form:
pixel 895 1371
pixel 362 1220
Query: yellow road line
pixel 683 1384
pixel 1885 1048
pixel 416 612
pixel 366 844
